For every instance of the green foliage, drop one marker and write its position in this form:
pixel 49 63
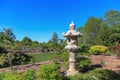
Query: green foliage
pixel 102 63
pixel 99 31
pixel 2 59
pixel 54 37
pixel 104 36
pixel 110 36
pixel 9 76
pixel 112 18
pixel 8 40
pixel 104 74
pixel 65 56
pixel 84 47
pixel 3 75
pixel 17 58
pixel 8 34
pixel 91 30
pixel 21 58
pixel 26 41
pixel 84 64
pixel 110 31
pixel 29 75
pixel 49 72
pixel 98 49
pixel 35 44
pixel 2 49
pixel 33 60
pixel 53 43
pixel 80 76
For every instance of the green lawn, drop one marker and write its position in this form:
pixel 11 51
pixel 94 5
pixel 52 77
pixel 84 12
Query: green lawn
pixel 43 56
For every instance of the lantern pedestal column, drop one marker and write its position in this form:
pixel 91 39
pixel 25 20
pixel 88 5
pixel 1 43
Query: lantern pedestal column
pixel 72 69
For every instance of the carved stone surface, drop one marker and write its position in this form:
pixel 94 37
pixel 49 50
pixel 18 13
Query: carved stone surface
pixel 72 36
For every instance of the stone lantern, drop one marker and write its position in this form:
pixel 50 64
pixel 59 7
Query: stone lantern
pixel 72 36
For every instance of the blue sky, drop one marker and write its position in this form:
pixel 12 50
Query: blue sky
pixel 39 19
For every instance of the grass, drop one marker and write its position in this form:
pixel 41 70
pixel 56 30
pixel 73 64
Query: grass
pixel 43 56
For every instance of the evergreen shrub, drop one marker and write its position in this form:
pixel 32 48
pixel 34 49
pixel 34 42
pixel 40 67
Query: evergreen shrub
pixel 98 49
pixel 104 74
pixel 49 72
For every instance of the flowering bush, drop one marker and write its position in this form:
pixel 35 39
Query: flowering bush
pixel 98 49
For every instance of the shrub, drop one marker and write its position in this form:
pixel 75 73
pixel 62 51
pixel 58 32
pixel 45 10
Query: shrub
pixel 104 74
pixel 84 47
pixel 85 64
pixel 21 58
pixel 2 59
pixel 17 58
pixel 9 76
pixel 102 63
pixel 3 75
pixel 65 56
pixel 2 50
pixel 49 72
pixel 79 76
pixel 29 75
pixel 98 49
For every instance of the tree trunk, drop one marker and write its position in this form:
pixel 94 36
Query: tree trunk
pixel 11 67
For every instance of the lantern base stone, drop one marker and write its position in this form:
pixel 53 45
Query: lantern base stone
pixel 71 73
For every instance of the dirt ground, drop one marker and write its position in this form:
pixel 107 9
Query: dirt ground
pixel 111 62
pixel 23 68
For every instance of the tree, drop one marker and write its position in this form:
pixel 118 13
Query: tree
pixel 112 18
pixel 26 41
pixel 54 41
pixel 80 29
pixel 35 44
pixel 8 34
pixel 7 37
pixel 54 37
pixel 110 36
pixel 104 36
pixel 61 44
pixel 91 30
pixel 9 43
pixel 110 32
